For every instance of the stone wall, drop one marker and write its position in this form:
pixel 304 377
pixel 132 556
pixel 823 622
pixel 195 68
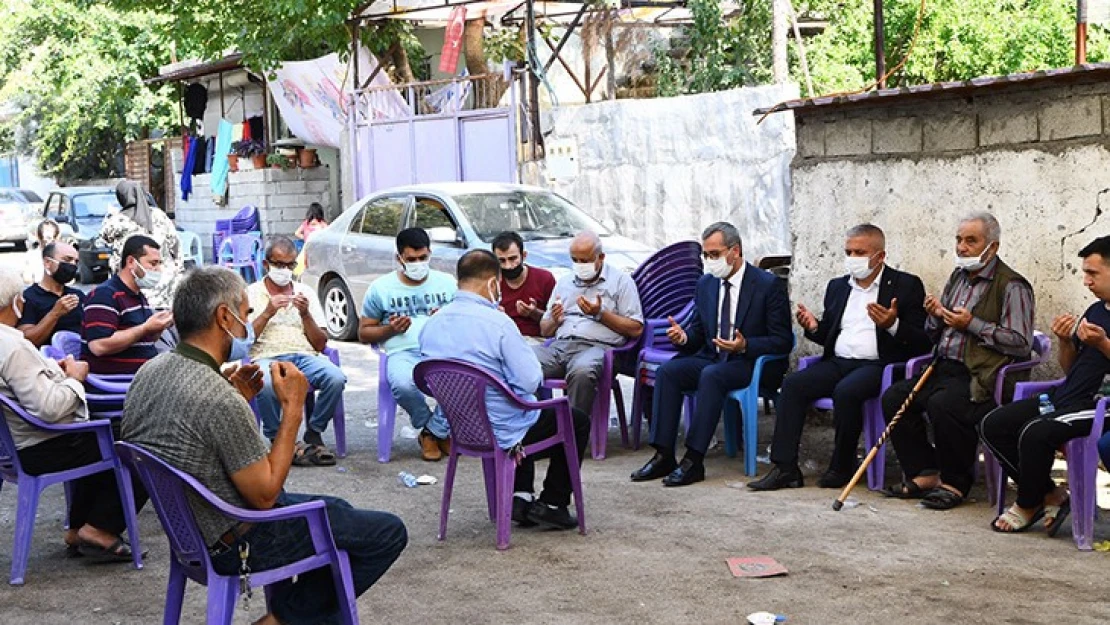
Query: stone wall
pixel 1035 155
pixel 663 169
pixel 282 198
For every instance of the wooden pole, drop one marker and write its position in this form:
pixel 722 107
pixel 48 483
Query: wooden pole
pixel 779 29
pixel 880 45
pixel 533 80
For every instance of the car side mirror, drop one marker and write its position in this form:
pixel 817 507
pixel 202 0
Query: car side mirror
pixel 443 235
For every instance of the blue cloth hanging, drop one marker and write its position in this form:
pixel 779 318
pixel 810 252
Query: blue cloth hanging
pixel 220 166
pixel 187 171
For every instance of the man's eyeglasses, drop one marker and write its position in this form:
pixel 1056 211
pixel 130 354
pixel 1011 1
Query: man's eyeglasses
pixel 713 255
pixel 279 265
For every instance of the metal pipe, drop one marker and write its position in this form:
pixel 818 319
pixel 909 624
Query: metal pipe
pixel 880 45
pixel 1081 32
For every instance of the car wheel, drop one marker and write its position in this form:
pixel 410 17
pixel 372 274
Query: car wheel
pixel 84 274
pixel 339 311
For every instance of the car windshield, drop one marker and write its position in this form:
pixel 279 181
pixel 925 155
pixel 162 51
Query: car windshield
pixel 9 196
pixel 93 207
pixel 31 196
pixel 532 214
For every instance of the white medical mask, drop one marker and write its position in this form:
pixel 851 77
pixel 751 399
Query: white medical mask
pixel 240 347
pixel 970 263
pixel 280 277
pixel 496 300
pixel 585 271
pixel 859 267
pixel 718 267
pixel 149 279
pixel 416 271
pixel 16 310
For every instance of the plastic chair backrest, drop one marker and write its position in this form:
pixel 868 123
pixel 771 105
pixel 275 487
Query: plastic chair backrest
pixel 68 342
pixel 460 390
pixel 667 281
pixel 241 249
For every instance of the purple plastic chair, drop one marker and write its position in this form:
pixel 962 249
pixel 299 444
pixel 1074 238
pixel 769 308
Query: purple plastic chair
pixel 460 389
pixel 992 474
pixel 657 350
pixel 31 486
pixel 338 420
pixel 169 493
pixel 387 407
pixel 243 253
pixel 68 343
pixel 1082 458
pixel 873 422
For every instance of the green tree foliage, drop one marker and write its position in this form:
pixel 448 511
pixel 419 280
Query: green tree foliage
pixel 74 75
pixel 713 54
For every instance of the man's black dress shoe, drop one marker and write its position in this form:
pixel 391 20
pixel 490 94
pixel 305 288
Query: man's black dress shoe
pixel 656 468
pixel 779 477
pixel 687 473
pixel 834 479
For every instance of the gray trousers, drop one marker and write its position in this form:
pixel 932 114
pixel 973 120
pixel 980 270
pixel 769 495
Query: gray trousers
pixel 577 362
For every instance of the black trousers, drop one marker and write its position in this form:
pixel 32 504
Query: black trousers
pixel 849 383
pixel 1025 443
pixel 95 498
pixel 711 381
pixel 557 489
pixel 946 396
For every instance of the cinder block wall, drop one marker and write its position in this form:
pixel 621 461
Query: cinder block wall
pixel 1035 156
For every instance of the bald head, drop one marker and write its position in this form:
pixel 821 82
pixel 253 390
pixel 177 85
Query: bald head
pixel 586 244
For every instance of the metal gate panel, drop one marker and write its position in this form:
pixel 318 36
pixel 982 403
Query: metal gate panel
pixel 436 149
pixel 487 149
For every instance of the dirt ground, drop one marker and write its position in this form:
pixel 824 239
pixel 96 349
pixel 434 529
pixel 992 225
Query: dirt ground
pixel 652 554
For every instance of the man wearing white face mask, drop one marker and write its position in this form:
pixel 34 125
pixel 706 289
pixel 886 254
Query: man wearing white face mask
pixel 740 313
pixel 395 309
pixel 120 328
pixel 288 325
pixel 873 316
pixel 982 322
pixel 593 309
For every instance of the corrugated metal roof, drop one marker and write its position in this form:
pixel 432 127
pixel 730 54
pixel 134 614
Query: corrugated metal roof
pixel 191 70
pixel 1088 72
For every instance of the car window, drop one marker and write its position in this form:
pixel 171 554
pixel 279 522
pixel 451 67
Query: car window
pixel 430 214
pixel 10 196
pixel 31 196
pixel 93 206
pixel 382 216
pixel 532 214
pixel 54 206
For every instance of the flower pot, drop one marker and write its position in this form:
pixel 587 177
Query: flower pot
pixel 259 161
pixel 233 162
pixel 307 158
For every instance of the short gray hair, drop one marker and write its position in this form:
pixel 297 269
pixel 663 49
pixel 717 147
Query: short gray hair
pixel 11 285
pixel 200 293
pixel 868 230
pixel 990 224
pixel 593 238
pixel 728 231
pixel 280 244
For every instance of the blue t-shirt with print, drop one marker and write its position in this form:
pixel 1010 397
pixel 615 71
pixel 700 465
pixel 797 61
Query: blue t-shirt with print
pixel 389 296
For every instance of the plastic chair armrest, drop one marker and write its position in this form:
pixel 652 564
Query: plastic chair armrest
pixel 807 361
pixel 1025 390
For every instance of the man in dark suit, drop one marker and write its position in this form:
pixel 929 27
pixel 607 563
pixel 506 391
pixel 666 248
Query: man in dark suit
pixel 740 313
pixel 873 316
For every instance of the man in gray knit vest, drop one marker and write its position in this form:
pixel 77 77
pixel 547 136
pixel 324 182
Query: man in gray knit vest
pixel 183 410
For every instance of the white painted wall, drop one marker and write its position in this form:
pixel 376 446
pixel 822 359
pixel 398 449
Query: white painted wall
pixel 665 168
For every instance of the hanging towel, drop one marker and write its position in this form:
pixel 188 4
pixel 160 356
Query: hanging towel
pixel 219 162
pixel 187 171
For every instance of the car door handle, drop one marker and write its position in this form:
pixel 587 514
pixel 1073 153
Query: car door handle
pixel 348 248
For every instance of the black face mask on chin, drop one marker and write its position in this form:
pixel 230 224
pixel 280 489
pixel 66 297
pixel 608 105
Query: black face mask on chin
pixel 514 273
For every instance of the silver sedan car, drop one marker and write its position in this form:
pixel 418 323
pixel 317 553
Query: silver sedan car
pixel 360 245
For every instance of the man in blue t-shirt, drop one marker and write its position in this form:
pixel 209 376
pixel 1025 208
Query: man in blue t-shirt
pixel 50 306
pixel 395 309
pixel 1023 439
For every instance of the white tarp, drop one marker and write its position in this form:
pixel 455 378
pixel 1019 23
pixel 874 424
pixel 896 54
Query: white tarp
pixel 311 96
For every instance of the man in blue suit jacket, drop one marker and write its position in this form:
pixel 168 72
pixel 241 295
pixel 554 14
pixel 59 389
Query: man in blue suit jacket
pixel 740 313
pixel 873 316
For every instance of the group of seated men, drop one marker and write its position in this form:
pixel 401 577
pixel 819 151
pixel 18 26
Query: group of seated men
pixel 190 409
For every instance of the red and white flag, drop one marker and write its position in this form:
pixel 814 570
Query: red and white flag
pixel 452 40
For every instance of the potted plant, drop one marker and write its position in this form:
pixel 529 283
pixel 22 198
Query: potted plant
pixel 307 157
pixel 253 149
pixel 281 161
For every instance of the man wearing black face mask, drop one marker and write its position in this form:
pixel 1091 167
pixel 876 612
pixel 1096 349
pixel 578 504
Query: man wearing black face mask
pixel 525 290
pixel 51 305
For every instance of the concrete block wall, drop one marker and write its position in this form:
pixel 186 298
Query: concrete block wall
pixel 1036 158
pixel 282 198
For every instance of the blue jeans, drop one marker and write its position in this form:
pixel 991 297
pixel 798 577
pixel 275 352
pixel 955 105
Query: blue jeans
pixel 1104 449
pixel 409 397
pixel 372 540
pixel 326 378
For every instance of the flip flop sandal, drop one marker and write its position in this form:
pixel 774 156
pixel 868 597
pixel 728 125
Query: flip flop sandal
pixel 905 490
pixel 941 499
pixel 302 455
pixel 73 551
pixel 1016 522
pixel 1056 515
pixel 118 551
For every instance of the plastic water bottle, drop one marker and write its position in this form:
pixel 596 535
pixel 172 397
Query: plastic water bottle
pixel 1046 406
pixel 408 479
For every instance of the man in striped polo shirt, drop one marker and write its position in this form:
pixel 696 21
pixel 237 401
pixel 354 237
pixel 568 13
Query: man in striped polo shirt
pixel 120 328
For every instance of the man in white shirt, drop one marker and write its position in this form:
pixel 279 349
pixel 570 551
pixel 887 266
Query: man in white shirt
pixel 873 316
pixel 53 392
pixel 288 324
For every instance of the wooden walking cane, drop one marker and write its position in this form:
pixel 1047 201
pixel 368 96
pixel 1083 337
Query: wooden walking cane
pixel 839 503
